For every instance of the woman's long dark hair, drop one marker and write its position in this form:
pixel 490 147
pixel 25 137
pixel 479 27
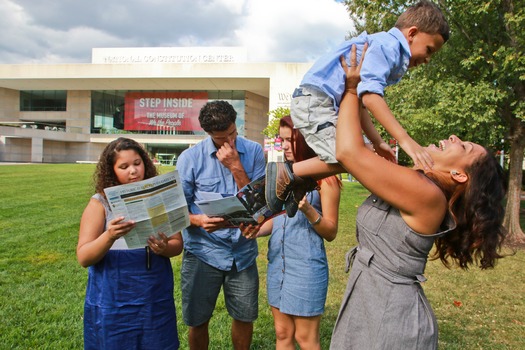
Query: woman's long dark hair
pixel 478 209
pixel 104 175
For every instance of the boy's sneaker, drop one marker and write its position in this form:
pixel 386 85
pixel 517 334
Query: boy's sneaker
pixel 279 182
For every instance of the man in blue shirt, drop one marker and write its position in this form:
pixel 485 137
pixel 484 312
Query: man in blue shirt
pixel 419 32
pixel 215 256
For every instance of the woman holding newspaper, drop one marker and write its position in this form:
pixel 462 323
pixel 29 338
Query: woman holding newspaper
pixel 297 278
pixel 129 298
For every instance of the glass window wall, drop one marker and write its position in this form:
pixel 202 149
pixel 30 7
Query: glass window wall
pixel 43 100
pixel 157 112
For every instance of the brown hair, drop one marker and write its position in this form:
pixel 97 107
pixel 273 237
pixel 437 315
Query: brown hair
pixel 301 150
pixel 105 176
pixel 427 17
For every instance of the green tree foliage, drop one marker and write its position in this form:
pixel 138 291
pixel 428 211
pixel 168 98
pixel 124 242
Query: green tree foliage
pixel 433 111
pixel 272 129
pixel 474 87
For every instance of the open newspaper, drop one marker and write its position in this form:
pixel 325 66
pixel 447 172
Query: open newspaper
pixel 248 206
pixel 156 205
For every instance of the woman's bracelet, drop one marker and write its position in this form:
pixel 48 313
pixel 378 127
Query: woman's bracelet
pixel 316 221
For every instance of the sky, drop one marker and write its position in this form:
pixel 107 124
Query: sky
pixel 65 31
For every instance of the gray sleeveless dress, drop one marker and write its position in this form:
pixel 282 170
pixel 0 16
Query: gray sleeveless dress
pixel 384 306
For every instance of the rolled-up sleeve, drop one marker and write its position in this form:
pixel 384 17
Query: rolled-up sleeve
pixel 379 62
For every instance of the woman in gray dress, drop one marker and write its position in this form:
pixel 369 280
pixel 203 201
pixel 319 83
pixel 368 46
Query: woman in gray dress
pixel 456 205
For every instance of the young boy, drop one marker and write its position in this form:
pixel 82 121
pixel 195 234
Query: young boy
pixel 419 32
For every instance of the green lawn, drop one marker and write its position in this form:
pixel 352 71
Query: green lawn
pixel 42 286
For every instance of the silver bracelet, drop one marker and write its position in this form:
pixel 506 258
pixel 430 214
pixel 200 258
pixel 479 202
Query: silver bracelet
pixel 316 221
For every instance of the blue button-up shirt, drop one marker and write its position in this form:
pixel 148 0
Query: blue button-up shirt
pixel 200 170
pixel 386 61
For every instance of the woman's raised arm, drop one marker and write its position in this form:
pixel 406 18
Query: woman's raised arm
pixel 421 203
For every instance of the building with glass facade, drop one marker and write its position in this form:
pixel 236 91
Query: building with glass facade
pixel 67 113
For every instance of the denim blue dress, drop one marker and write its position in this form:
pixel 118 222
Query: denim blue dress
pixel 129 303
pixel 384 306
pixel 297 277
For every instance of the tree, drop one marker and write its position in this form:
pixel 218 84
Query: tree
pixel 475 86
pixel 272 130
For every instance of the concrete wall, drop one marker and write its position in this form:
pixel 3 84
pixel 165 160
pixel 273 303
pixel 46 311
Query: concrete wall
pixel 15 150
pixel 256 117
pixel 10 105
pixel 78 117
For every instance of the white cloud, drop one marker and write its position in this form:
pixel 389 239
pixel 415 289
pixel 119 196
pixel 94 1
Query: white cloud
pixel 292 30
pixel 50 31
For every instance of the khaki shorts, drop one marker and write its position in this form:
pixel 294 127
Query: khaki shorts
pixel 314 115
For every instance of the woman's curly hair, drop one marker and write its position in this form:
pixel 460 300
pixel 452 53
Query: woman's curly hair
pixel 477 208
pixel 105 176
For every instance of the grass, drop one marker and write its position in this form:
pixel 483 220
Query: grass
pixel 42 286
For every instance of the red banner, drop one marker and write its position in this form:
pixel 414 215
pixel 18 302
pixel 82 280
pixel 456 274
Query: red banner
pixel 177 111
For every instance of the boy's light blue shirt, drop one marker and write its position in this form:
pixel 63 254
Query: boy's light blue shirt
pixel 386 61
pixel 200 170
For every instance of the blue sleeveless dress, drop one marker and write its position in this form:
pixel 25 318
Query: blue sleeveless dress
pixel 384 306
pixel 297 277
pixel 128 305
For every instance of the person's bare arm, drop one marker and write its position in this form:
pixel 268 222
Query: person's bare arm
pixel 421 203
pixel 93 241
pixel 266 229
pixel 380 110
pixel 328 223
pixel 380 146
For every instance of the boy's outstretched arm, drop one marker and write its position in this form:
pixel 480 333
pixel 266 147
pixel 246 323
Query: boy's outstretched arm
pixel 380 110
pixel 380 146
